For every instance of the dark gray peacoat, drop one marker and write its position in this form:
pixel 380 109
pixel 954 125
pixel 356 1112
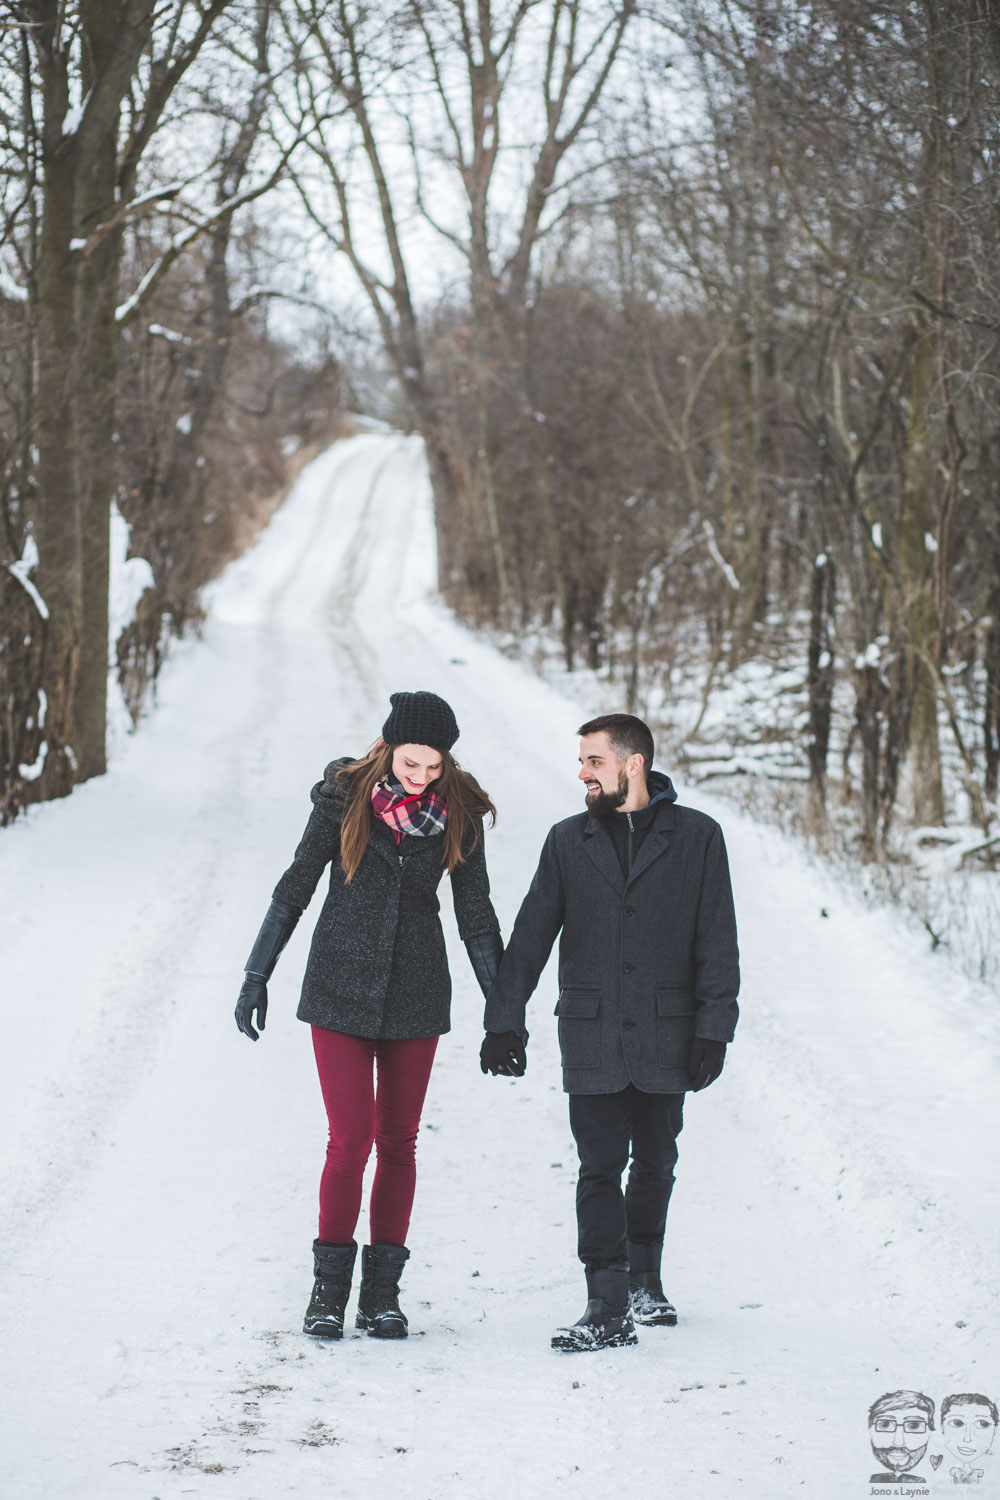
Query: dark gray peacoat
pixel 377 966
pixel 644 965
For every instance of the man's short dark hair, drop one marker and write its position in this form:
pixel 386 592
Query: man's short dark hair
pixel 899 1401
pixel 628 736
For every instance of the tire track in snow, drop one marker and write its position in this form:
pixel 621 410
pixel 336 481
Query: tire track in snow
pixel 348 638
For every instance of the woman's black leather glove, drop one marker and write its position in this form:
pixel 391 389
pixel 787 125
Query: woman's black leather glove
pixel 485 952
pixel 705 1062
pixel 253 997
pixel 503 1052
pixel 276 928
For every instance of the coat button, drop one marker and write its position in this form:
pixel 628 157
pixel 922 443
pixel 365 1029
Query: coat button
pixel 628 1022
pixel 627 968
pixel 630 911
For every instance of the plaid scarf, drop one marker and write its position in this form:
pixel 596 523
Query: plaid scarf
pixel 423 814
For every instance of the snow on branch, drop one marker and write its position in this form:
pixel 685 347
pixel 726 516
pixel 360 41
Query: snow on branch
pixel 717 557
pixel 10 289
pixel 128 309
pixel 99 234
pixel 32 772
pixel 25 564
pixel 157 330
pixel 74 116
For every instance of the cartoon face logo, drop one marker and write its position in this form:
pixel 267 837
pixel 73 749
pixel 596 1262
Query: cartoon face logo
pixel 968 1427
pixel 899 1427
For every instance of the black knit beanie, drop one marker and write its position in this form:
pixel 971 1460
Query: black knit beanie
pixel 420 719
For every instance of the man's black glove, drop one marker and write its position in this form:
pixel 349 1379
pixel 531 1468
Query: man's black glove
pixel 503 1052
pixel 275 930
pixel 705 1062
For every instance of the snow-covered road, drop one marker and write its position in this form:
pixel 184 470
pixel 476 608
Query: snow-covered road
pixel 837 1218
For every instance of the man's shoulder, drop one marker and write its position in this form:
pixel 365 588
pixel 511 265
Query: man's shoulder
pixel 569 828
pixel 688 819
pixel 696 821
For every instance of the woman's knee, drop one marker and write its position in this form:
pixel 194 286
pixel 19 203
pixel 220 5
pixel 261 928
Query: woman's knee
pixel 398 1147
pixel 349 1149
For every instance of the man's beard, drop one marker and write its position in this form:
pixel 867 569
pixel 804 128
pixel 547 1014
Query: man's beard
pixel 605 803
pixel 912 1458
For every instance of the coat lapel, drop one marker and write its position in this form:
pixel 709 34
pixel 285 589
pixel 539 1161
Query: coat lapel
pixel 602 851
pixel 383 841
pixel 656 840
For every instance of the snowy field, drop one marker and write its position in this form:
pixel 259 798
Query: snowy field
pixel 835 1225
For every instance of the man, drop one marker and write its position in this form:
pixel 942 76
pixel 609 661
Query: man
pixel 648 979
pixel 898 1426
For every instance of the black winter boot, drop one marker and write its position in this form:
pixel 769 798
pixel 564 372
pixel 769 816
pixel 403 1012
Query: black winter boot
pixel 649 1303
pixel 378 1304
pixel 334 1267
pixel 607 1322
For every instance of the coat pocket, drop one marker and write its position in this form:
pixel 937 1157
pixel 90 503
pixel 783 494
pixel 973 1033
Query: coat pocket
pixel 675 1010
pixel 580 1028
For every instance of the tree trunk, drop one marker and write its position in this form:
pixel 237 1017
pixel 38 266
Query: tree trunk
pixel 917 620
pixel 58 520
pixel 97 298
pixel 820 684
pixel 870 694
pixel 77 369
pixel 991 705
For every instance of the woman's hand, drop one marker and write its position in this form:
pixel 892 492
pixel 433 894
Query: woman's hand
pixel 253 997
pixel 276 928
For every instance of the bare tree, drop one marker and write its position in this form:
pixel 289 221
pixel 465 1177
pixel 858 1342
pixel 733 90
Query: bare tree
pixel 99 84
pixel 441 77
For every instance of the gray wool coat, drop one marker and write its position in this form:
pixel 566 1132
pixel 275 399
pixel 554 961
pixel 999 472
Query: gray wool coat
pixel 377 966
pixel 645 965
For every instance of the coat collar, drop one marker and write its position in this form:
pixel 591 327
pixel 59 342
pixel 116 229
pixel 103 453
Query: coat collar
pixel 656 840
pixel 598 844
pixel 382 841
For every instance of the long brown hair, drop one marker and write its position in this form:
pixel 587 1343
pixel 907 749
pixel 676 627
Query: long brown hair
pixel 465 799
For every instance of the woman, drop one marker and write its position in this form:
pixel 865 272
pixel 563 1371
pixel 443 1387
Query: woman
pixel 377 988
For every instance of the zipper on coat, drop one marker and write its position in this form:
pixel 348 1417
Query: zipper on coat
pixel 621 920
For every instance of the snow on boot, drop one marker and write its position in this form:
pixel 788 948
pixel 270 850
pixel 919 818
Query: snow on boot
pixel 649 1303
pixel 378 1303
pixel 334 1267
pixel 607 1322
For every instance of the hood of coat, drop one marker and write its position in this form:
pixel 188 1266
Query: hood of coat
pixel 326 794
pixel 660 787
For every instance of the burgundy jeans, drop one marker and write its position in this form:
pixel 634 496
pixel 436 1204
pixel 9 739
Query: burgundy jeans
pixel 361 1115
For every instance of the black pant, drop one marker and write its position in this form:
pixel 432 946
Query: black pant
pixel 606 1127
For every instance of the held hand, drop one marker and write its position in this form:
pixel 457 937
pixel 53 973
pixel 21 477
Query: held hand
pixel 503 1052
pixel 705 1062
pixel 253 997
